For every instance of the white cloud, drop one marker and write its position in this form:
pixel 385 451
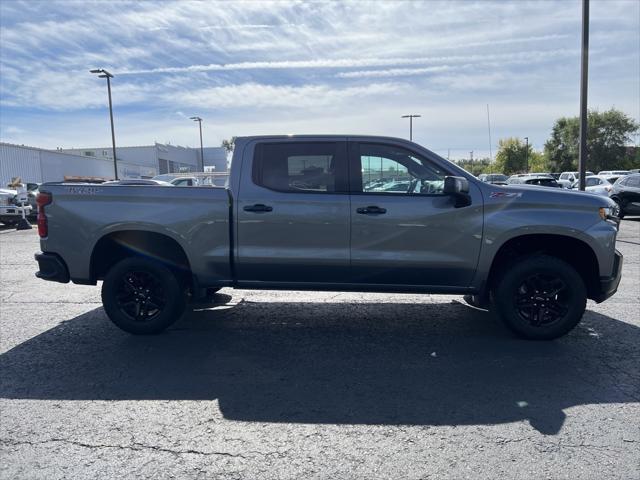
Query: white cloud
pixel 250 67
pixel 256 95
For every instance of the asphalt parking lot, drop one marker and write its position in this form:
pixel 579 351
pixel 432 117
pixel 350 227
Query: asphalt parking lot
pixel 312 385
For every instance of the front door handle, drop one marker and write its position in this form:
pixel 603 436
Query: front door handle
pixel 371 210
pixel 258 207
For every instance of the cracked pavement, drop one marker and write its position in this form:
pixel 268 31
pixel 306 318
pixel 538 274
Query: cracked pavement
pixel 312 385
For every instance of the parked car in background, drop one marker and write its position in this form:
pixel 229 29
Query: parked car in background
pixel 597 184
pixel 138 181
pixel 514 178
pixel 495 178
pixel 614 172
pixel 195 179
pixel 185 182
pixel 540 180
pixel 567 179
pixel 556 176
pixel 626 193
pixel 10 211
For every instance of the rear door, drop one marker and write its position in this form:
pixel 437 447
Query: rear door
pixel 404 229
pixel 293 213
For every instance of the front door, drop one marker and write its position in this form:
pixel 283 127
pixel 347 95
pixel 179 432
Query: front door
pixel 404 230
pixel 293 214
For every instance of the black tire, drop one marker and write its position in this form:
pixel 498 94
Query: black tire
pixel 142 297
pixel 540 297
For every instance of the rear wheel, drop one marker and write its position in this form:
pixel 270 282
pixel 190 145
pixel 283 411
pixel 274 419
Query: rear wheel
pixel 142 297
pixel 540 297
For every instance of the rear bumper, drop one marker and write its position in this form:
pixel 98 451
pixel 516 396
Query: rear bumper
pixel 52 268
pixel 609 285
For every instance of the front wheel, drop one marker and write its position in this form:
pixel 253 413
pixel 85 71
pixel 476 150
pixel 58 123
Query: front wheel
pixel 142 297
pixel 540 297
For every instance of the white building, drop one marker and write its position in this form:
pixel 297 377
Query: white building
pixel 146 161
pixel 40 165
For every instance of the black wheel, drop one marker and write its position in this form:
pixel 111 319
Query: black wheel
pixel 142 297
pixel 540 297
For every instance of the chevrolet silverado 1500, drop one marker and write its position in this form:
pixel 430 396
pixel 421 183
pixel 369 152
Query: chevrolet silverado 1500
pixel 334 213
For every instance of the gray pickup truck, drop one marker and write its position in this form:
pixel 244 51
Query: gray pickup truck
pixel 334 213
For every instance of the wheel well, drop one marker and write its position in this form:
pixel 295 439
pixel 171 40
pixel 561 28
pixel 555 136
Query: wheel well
pixel 573 251
pixel 117 246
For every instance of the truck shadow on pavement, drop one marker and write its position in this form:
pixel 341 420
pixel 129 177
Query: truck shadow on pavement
pixel 335 363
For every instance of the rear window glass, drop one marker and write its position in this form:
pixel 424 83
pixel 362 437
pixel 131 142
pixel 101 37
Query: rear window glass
pixel 301 167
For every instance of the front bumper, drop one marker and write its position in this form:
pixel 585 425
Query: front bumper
pixel 52 268
pixel 11 211
pixel 609 285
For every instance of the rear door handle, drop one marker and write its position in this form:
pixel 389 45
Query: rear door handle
pixel 258 207
pixel 371 210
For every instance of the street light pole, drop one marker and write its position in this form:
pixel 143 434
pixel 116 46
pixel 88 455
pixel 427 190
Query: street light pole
pixel 104 74
pixel 199 120
pixel 526 154
pixel 411 117
pixel 584 76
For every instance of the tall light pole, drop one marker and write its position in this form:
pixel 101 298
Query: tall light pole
pixel 199 120
pixel 104 74
pixel 526 154
pixel 584 76
pixel 411 117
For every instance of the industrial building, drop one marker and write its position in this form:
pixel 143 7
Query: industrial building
pixel 40 165
pixel 146 161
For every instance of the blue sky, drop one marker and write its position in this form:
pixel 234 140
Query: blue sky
pixel 300 67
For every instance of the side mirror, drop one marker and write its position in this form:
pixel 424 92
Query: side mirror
pixel 457 187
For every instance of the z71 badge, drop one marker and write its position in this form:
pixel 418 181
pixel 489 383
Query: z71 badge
pixel 505 194
pixel 83 190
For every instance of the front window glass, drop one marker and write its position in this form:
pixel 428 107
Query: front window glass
pixel 389 169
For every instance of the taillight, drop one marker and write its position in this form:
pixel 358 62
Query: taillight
pixel 43 198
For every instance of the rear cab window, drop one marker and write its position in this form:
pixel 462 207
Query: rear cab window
pixel 301 167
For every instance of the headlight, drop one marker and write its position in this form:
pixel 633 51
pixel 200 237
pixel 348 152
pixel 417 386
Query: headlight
pixel 609 213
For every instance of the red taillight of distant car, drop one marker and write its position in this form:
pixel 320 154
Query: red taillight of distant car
pixel 43 199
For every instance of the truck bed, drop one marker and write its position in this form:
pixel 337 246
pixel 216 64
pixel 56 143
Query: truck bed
pixel 197 218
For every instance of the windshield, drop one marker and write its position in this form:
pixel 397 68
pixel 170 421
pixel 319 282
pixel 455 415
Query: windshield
pixel 497 178
pixel 167 177
pixel 543 182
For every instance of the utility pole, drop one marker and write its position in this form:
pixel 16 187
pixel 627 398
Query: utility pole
pixel 489 127
pixel 411 117
pixel 104 74
pixel 584 77
pixel 199 120
pixel 526 154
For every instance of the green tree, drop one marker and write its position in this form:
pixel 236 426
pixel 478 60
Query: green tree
pixel 478 166
pixel 607 134
pixel 513 155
